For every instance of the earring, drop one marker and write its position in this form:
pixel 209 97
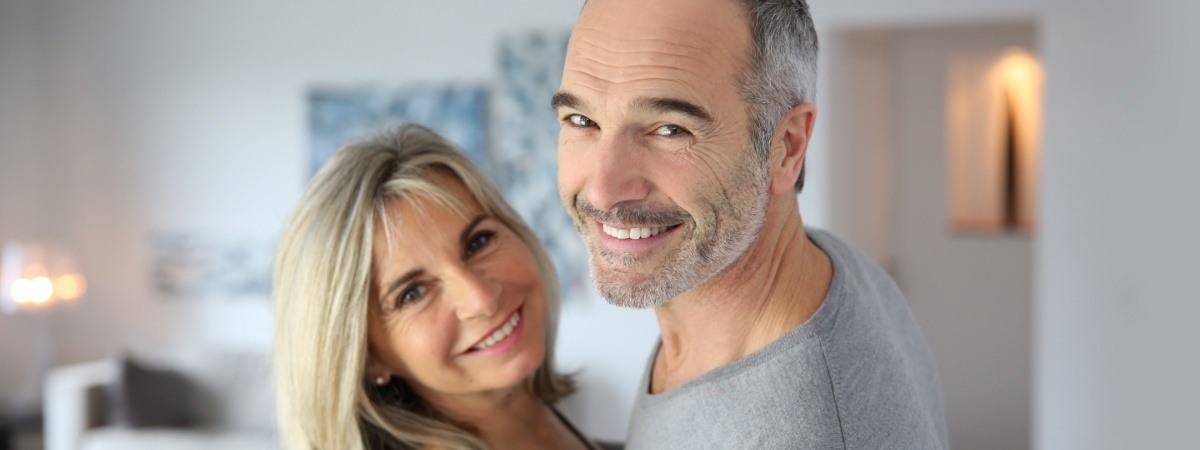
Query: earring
pixel 380 381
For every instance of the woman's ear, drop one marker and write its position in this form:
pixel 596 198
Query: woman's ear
pixel 380 374
pixel 789 146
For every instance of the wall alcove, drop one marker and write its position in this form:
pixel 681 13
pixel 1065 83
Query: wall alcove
pixel 920 138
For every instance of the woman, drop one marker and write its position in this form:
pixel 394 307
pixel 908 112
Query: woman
pixel 414 308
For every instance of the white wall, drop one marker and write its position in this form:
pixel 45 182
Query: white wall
pixel 1117 357
pixel 860 126
pixel 834 16
pixel 972 294
pixel 190 116
pixel 24 186
pixel 1114 355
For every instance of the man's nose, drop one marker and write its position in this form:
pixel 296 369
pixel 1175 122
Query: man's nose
pixel 476 294
pixel 616 176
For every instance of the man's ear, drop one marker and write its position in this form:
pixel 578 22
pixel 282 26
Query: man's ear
pixel 789 145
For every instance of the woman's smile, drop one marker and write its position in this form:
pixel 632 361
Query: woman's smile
pixel 501 339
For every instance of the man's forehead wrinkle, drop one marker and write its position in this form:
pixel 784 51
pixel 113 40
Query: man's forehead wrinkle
pixel 647 65
pixel 627 59
pixel 631 34
pixel 602 72
pixel 683 48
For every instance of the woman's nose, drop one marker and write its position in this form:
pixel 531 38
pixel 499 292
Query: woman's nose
pixel 477 295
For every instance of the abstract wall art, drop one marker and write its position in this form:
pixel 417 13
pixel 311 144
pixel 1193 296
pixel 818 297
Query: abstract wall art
pixel 339 114
pixel 508 129
pixel 195 265
pixel 525 147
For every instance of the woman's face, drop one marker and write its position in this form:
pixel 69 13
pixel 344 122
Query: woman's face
pixel 457 306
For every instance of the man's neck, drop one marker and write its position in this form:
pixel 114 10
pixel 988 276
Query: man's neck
pixel 774 287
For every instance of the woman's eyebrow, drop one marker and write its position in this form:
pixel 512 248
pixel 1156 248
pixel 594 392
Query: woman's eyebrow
pixel 409 276
pixel 466 232
pixel 414 273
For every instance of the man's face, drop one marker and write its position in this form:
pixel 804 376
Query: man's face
pixel 655 164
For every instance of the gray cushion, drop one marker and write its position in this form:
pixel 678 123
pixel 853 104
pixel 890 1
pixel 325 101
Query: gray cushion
pixel 146 396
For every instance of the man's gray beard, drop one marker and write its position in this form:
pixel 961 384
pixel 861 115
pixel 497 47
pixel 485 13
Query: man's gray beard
pixel 692 266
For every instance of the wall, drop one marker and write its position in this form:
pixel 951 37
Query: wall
pixel 1116 337
pixel 821 192
pixel 190 116
pixel 24 185
pixel 861 128
pixel 972 294
pixel 1114 361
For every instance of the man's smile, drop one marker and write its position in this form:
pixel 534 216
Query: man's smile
pixel 634 233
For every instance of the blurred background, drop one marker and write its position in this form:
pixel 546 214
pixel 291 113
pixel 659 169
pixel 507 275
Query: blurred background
pixel 1034 212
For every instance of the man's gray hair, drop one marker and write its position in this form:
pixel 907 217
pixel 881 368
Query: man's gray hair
pixel 783 67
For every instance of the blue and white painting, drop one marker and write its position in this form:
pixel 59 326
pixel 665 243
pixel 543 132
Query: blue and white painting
pixel 513 138
pixel 196 265
pixel 340 114
pixel 524 152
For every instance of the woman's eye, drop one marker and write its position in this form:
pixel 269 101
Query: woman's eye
pixel 580 121
pixel 479 241
pixel 411 295
pixel 669 130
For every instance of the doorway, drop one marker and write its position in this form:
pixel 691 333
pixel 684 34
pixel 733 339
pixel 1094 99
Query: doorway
pixel 972 292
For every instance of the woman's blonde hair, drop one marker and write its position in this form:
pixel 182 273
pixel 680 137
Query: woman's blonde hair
pixel 322 290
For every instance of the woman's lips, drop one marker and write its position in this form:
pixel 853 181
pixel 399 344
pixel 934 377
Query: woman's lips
pixel 499 333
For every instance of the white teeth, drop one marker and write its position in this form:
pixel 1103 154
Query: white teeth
pixel 501 333
pixel 632 233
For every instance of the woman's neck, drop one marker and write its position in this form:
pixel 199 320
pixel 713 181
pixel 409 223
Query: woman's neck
pixel 511 419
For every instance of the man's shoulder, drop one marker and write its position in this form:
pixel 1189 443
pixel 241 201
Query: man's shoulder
pixel 853 270
pixel 884 377
pixel 864 312
pixel 861 294
pixel 724 407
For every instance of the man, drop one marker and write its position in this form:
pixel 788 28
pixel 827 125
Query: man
pixel 684 129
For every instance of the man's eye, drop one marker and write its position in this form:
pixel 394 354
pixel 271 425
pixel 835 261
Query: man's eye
pixel 580 121
pixel 479 241
pixel 411 295
pixel 669 130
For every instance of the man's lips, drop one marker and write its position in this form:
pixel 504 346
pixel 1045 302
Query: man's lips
pixel 630 220
pixel 634 233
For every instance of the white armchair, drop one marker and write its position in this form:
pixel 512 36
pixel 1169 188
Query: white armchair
pixel 74 401
pixel 233 407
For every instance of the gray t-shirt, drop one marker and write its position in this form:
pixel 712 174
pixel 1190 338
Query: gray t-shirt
pixel 858 374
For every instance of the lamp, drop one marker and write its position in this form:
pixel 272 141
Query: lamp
pixel 37 275
pixel 994 123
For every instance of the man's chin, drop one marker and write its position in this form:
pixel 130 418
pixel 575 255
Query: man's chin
pixel 630 289
pixel 632 299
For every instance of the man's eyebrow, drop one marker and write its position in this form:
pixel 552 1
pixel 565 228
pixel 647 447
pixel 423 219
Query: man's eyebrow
pixel 564 99
pixel 667 104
